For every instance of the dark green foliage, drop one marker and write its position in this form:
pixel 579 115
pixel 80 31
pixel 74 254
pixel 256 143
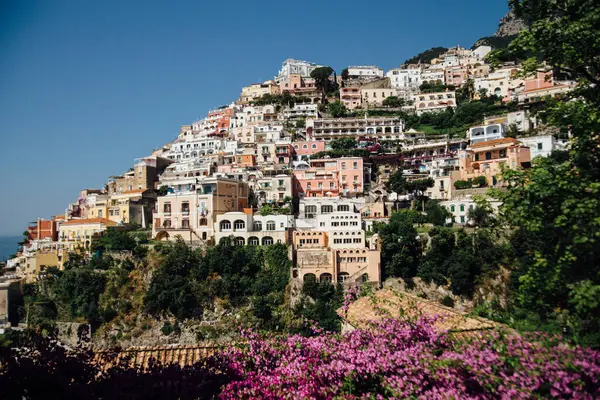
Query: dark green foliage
pixel 479 181
pixel 114 239
pixel 435 213
pixel 447 301
pixel 400 246
pixel 435 87
pixel 463 184
pixel 426 56
pixel 393 101
pixel 79 288
pixel 337 109
pixel 322 82
pixel 318 304
pixel 186 282
pixel 172 288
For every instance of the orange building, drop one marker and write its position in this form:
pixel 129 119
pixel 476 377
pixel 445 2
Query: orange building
pixel 488 158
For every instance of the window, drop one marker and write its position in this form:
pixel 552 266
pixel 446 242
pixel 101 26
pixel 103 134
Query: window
pixel 488 155
pixel 343 207
pixel 185 208
pixel 355 165
pixel 462 219
pixel 267 240
pixel 185 224
pixel 314 146
pixel 452 208
pixel 343 165
pixel 167 223
pixel 239 225
pixel 540 146
pixel 225 225
pixel 257 226
pixel 203 222
pixel 305 146
pixel 167 208
pixel 326 209
pixel 270 225
pixel 502 153
pixel 462 208
pixel 310 211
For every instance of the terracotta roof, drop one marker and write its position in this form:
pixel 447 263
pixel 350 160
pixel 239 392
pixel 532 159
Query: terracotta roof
pixel 104 221
pixel 134 191
pixel 545 88
pixel 388 303
pixel 495 142
pixel 166 354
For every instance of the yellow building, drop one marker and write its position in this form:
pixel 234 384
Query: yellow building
pixel 31 265
pixel 79 233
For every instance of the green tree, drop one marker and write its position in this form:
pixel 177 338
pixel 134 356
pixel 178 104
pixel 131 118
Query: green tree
pixel 393 101
pixel 400 245
pixel 436 214
pixel 337 109
pixel 321 76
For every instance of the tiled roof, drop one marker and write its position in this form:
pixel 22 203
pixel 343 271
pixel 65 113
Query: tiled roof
pixel 166 354
pixel 104 221
pixel 495 142
pixel 135 191
pixel 388 303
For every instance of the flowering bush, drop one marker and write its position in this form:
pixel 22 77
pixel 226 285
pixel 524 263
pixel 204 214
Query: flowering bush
pixel 410 359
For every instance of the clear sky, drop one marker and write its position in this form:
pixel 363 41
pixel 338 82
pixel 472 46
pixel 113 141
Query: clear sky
pixel 87 86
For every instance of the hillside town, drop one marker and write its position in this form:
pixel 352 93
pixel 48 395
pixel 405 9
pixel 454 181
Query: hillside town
pixel 427 231
pixel 259 170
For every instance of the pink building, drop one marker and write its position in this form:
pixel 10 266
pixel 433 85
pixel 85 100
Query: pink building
pixel 456 75
pixel 307 148
pixel 488 158
pixel 330 177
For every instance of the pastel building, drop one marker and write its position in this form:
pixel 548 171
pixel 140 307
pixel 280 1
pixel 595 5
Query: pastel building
pixel 143 175
pixel 315 260
pixel 488 158
pixel 365 71
pixel 254 230
pixel 330 177
pixel 328 129
pixel 351 97
pixel 432 102
pixel 258 90
pixel 79 233
pixel 304 149
pixel 273 189
pixel 484 133
pixel 190 208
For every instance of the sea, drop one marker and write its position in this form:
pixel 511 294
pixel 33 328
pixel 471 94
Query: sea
pixel 8 246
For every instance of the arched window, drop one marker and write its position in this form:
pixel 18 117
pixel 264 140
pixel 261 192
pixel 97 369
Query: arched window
pixel 310 278
pixel 225 225
pixel 310 211
pixel 270 225
pixel 365 277
pixel 240 241
pixel 343 207
pixel 325 277
pixel 326 209
pixel 267 240
pixel 239 225
pixel 253 241
pixel 257 226
pixel 343 276
pixel 452 208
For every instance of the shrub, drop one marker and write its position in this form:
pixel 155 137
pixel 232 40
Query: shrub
pixel 458 185
pixel 447 301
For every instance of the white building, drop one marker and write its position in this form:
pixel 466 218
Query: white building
pixel 459 208
pixel 310 208
pixel 254 230
pixel 406 78
pixel 543 145
pixel 344 228
pixel 301 111
pixel 480 52
pixel 433 74
pixel 295 67
pixel 484 133
pixel 365 70
pixel 523 120
pixel 431 102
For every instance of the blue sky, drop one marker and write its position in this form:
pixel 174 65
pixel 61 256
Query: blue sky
pixel 87 86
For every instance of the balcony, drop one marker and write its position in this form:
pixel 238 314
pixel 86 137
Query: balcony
pixel 282 188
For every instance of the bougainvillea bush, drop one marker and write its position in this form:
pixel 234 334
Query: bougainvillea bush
pixel 411 360
pixel 393 360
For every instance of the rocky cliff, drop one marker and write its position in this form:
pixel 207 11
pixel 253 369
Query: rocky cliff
pixel 509 25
